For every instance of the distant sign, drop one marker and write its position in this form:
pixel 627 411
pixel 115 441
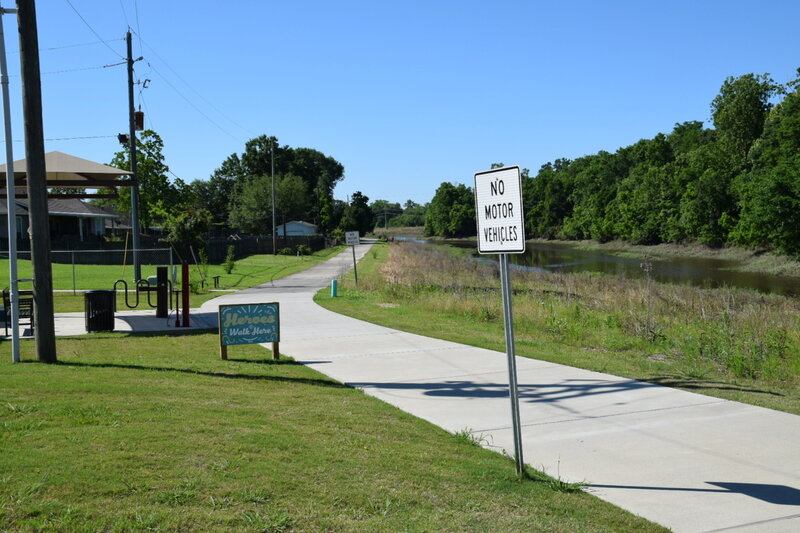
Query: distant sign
pixel 498 211
pixel 249 324
pixel 351 238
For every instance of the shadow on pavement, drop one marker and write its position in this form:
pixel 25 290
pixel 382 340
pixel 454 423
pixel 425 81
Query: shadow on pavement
pixel 531 393
pixel 680 382
pixel 776 494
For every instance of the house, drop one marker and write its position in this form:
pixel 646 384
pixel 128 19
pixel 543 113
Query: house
pixel 296 228
pixel 71 219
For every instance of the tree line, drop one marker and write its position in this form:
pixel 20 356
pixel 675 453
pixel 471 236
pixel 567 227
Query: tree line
pixel 735 184
pixel 237 197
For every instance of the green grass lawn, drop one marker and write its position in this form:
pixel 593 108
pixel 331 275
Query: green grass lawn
pixel 157 433
pixel 249 271
pixel 736 345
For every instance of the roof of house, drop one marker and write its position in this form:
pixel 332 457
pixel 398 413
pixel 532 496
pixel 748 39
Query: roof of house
pixel 21 208
pixel 62 207
pixel 75 207
pixel 308 225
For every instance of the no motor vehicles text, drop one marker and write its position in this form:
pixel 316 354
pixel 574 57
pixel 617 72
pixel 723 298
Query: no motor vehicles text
pixel 503 210
pixel 501 234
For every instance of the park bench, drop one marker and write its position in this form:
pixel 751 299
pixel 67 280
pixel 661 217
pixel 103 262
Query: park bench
pixel 25 308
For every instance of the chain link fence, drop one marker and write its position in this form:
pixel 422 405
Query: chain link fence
pixel 94 269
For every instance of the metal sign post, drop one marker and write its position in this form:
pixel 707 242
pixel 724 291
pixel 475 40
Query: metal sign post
pixel 351 238
pixel 498 209
pixel 10 198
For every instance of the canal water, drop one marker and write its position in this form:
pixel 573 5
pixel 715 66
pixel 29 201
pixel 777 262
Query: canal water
pixel 711 273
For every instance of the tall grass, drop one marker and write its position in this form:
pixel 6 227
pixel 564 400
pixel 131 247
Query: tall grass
pixel 669 333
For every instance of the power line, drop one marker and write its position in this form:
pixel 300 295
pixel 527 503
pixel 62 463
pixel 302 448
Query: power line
pixel 81 138
pixel 92 29
pixel 210 104
pixel 223 130
pixel 78 69
pixel 146 109
pixel 74 45
pixel 138 27
pixel 124 13
pixel 70 138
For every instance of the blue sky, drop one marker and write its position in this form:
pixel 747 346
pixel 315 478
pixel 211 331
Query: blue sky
pixel 405 95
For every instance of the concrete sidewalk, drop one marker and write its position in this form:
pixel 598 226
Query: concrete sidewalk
pixel 690 462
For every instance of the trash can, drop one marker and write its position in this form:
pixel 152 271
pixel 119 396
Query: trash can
pixel 100 307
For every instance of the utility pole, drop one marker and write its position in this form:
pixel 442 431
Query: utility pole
pixel 44 329
pixel 137 265
pixel 274 229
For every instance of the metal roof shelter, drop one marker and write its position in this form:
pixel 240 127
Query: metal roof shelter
pixel 64 170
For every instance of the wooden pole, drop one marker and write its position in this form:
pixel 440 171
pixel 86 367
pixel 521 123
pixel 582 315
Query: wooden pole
pixel 137 264
pixel 44 325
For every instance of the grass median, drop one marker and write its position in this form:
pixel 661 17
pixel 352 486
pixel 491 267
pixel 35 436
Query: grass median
pixel 730 343
pixel 157 433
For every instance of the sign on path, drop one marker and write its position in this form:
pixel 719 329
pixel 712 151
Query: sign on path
pixel 351 238
pixel 498 210
pixel 249 324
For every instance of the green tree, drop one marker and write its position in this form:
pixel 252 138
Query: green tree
pixel 383 210
pixel 546 199
pixel 214 194
pixel 739 111
pixel 187 226
pixel 769 195
pixel 292 197
pixel 319 173
pixel 154 184
pixel 451 212
pixel 735 182
pixel 357 215
pixel 250 209
pixel 413 215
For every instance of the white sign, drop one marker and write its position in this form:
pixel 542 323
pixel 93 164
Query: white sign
pixel 351 238
pixel 498 211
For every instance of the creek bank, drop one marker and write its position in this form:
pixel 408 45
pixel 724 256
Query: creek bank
pixel 744 260
pixel 730 259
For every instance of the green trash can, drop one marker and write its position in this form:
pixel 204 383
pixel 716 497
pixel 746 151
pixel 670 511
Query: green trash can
pixel 99 307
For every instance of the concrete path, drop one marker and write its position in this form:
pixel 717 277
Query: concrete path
pixel 690 462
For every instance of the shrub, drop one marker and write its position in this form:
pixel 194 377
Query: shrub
pixel 338 235
pixel 302 249
pixel 203 266
pixel 230 259
pixel 196 287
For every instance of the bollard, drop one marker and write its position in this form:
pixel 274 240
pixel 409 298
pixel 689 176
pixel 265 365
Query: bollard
pixel 334 286
pixel 162 293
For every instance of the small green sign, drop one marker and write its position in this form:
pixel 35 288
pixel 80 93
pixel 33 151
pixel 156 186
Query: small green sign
pixel 249 324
